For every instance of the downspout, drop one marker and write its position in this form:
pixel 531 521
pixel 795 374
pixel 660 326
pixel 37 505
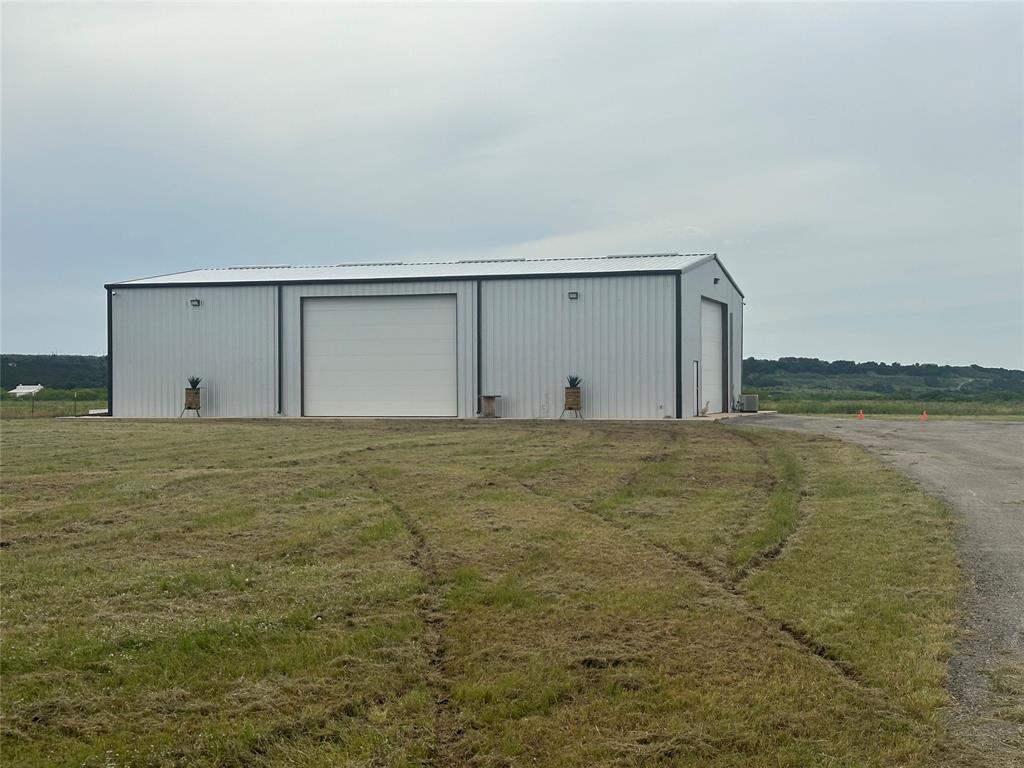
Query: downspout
pixel 280 364
pixel 479 346
pixel 679 345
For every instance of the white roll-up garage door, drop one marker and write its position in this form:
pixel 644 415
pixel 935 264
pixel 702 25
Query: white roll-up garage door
pixel 711 355
pixel 379 356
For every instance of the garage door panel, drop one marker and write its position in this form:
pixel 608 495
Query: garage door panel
pixel 350 395
pixel 369 307
pixel 380 356
pixel 358 365
pixel 349 326
pixel 380 348
pixel 380 317
pixel 379 408
pixel 339 384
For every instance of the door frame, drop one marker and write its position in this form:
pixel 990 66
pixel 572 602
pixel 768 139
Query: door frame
pixel 726 347
pixel 302 347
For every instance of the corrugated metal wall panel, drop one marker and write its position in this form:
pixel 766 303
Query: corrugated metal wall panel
pixel 619 335
pixel 465 310
pixel 159 340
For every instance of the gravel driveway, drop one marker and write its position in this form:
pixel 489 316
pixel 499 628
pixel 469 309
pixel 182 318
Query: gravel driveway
pixel 978 468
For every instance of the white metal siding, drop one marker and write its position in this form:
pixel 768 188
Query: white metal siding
pixel 160 339
pixel 711 356
pixel 699 283
pixel 379 356
pixel 619 335
pixel 465 296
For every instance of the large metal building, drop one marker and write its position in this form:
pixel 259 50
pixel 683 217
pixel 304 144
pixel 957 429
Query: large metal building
pixel 652 336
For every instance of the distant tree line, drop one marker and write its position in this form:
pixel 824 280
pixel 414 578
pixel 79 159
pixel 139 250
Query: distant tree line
pixel 825 367
pixel 784 374
pixel 944 382
pixel 54 371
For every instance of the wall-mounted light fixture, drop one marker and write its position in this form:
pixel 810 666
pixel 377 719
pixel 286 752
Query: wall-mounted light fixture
pixel 574 294
pixel 195 302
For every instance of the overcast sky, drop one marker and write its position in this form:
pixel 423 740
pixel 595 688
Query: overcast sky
pixel 857 167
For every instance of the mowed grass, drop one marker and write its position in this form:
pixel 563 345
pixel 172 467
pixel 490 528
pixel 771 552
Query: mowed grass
pixel 445 593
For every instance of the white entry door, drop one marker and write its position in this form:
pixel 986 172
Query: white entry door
pixel 379 356
pixel 711 358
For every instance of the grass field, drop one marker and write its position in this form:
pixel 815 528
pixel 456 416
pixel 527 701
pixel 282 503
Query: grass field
pixel 883 407
pixel 446 593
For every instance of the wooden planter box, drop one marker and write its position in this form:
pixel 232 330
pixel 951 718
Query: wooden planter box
pixel 573 399
pixel 488 403
pixel 193 401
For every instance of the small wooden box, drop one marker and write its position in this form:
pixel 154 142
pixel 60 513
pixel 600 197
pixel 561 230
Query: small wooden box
pixel 488 403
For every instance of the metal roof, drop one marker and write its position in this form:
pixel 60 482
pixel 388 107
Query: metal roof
pixel 430 270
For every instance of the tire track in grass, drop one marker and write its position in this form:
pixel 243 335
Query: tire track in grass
pixel 735 598
pixel 430 608
pixel 718 581
pixel 709 575
pixel 787 495
pixel 786 513
pixel 799 637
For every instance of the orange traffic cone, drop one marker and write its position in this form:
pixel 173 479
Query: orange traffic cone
pixel 924 415
pixel 860 416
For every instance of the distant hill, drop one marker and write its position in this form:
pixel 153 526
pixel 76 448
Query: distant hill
pixel 811 377
pixel 54 371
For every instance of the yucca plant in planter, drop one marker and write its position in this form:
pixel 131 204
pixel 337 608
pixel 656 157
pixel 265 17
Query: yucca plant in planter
pixel 192 399
pixel 573 397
